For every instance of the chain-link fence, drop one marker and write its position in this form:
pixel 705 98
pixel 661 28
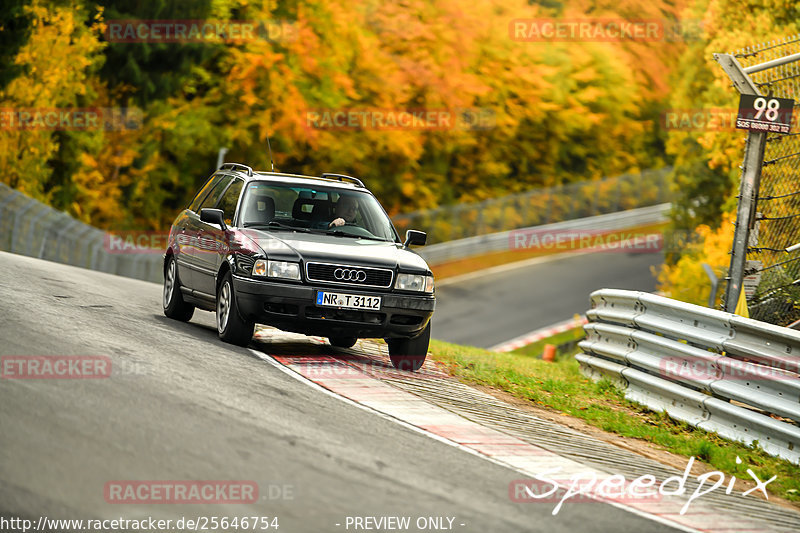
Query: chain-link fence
pixel 772 275
pixel 541 206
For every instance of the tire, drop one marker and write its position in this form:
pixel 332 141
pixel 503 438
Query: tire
pixel 230 326
pixel 172 299
pixel 409 354
pixel 343 342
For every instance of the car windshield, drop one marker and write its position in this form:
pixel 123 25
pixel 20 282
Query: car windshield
pixel 292 207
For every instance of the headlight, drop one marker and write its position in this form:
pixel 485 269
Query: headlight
pixel 414 282
pixel 260 268
pixel 276 269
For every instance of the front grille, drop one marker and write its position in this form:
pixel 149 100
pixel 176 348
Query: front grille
pixel 349 275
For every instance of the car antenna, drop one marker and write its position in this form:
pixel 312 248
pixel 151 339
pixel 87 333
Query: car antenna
pixel 271 162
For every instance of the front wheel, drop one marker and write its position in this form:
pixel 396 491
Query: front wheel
pixel 174 305
pixel 409 354
pixel 231 327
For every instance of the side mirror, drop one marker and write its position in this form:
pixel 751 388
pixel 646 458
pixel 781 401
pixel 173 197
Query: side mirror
pixel 414 237
pixel 213 216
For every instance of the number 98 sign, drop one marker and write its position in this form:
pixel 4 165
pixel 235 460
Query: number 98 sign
pixel 765 113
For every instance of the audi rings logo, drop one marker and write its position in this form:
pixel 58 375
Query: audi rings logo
pixel 345 274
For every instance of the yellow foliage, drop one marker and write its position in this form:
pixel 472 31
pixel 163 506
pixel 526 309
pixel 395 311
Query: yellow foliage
pixel 57 56
pixel 687 280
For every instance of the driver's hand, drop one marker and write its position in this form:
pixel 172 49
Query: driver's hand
pixel 336 222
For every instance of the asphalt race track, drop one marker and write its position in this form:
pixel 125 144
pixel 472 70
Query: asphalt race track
pixel 487 310
pixel 181 405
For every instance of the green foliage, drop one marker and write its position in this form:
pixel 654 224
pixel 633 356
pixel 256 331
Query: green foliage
pixel 15 27
pixel 148 71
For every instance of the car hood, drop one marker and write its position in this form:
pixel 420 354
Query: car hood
pixel 317 247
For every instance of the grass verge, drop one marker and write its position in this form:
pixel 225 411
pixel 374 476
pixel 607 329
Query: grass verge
pixel 559 386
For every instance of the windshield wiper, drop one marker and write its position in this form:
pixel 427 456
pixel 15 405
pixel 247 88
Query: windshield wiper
pixel 340 233
pixel 276 225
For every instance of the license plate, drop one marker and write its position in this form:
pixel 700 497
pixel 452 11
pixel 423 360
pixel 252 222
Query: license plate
pixel 349 301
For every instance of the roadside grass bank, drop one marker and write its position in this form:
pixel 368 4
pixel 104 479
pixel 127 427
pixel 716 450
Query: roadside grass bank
pixel 479 262
pixel 559 386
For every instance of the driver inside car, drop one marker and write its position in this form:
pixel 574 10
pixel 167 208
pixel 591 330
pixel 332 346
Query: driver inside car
pixel 344 211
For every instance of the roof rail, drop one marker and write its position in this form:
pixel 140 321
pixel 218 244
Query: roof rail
pixel 237 166
pixel 343 177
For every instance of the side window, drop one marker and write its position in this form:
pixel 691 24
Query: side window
pixel 230 199
pixel 213 196
pixel 212 181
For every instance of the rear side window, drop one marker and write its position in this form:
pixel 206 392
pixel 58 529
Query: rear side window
pixel 211 199
pixel 229 201
pixel 212 181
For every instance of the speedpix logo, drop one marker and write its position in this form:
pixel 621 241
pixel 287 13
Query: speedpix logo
pixel 552 486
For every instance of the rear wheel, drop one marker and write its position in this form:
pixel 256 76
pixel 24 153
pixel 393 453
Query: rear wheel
pixel 174 306
pixel 231 327
pixel 409 354
pixel 342 342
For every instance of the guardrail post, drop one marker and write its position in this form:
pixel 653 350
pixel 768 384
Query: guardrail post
pixel 712 297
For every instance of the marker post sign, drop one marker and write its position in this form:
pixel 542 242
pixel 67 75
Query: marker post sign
pixel 765 113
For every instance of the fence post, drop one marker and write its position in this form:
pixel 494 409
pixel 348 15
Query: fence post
pixel 748 193
pixel 748 188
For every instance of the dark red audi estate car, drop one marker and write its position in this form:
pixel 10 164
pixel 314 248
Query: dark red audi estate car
pixel 312 255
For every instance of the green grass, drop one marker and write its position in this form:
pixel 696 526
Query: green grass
pixel 535 349
pixel 560 386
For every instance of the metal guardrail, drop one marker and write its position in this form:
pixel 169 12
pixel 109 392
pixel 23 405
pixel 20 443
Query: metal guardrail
pixel 29 227
pixel 717 371
pixel 500 241
pixel 544 205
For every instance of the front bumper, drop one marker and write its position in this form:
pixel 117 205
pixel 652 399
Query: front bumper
pixel 292 307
